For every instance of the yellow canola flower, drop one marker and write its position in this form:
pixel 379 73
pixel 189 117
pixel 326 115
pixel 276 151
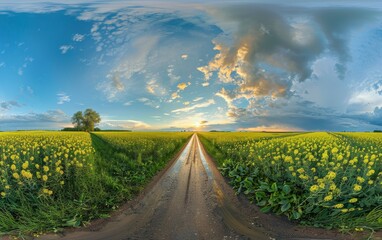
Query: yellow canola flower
pixel 13 167
pixel 44 178
pixel 314 188
pixel 357 187
pixel 328 198
pixel 370 172
pixel 25 165
pixel 353 200
pixel 16 175
pixel 339 205
pixel 331 175
pixel 46 168
pixel 26 174
pixel 360 179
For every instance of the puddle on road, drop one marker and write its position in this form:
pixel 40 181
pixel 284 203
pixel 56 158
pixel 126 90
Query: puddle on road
pixel 182 158
pixel 210 175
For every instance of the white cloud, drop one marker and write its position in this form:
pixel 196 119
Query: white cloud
pixel 65 48
pixel 367 100
pixel 148 102
pixel 184 56
pixel 170 73
pixel 129 103
pixel 78 37
pixel 62 98
pixel 198 99
pixel 205 84
pixel 120 78
pixel 193 107
pixel 123 124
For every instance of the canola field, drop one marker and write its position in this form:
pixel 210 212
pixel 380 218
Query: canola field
pixel 321 179
pixel 51 180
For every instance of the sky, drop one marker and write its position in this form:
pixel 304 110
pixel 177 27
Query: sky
pixel 201 65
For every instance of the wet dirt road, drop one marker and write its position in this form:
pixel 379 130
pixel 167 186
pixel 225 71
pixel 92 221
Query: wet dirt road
pixel 187 202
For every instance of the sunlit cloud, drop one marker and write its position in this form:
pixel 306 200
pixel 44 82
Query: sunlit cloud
pixel 124 124
pixel 184 56
pixel 198 99
pixel 183 85
pixel 272 128
pixel 196 106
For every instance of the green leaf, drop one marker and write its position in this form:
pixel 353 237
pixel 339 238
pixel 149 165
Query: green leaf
pixel 286 189
pixel 262 203
pixel 266 209
pixel 285 207
pixel 296 215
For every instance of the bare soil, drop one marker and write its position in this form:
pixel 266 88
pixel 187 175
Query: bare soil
pixel 191 200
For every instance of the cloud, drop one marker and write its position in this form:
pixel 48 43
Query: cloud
pixel 65 48
pixel 62 98
pixel 184 56
pixel 21 69
pixel 129 103
pixel 49 116
pixel 265 51
pixel 205 84
pixel 121 77
pixel 272 128
pixel 78 37
pixel 196 106
pixel 198 99
pixel 183 85
pixel 123 124
pixel 154 87
pixel 174 95
pixel 8 105
pixel 170 73
pixel 148 102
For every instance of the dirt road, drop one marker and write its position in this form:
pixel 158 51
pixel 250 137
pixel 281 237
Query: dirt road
pixel 191 200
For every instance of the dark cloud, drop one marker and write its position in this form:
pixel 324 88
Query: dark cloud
pixel 49 116
pixel 9 105
pixel 265 49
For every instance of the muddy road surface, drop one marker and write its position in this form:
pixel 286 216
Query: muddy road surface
pixel 191 200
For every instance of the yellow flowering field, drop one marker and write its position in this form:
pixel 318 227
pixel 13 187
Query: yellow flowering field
pixel 42 162
pixel 51 180
pixel 320 179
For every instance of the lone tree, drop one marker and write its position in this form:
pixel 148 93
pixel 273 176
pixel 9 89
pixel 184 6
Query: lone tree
pixel 77 120
pixel 86 120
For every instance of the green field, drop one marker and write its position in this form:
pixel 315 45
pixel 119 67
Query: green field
pixel 51 180
pixel 320 179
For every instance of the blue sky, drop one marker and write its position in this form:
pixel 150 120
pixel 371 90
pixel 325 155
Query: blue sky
pixel 180 65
